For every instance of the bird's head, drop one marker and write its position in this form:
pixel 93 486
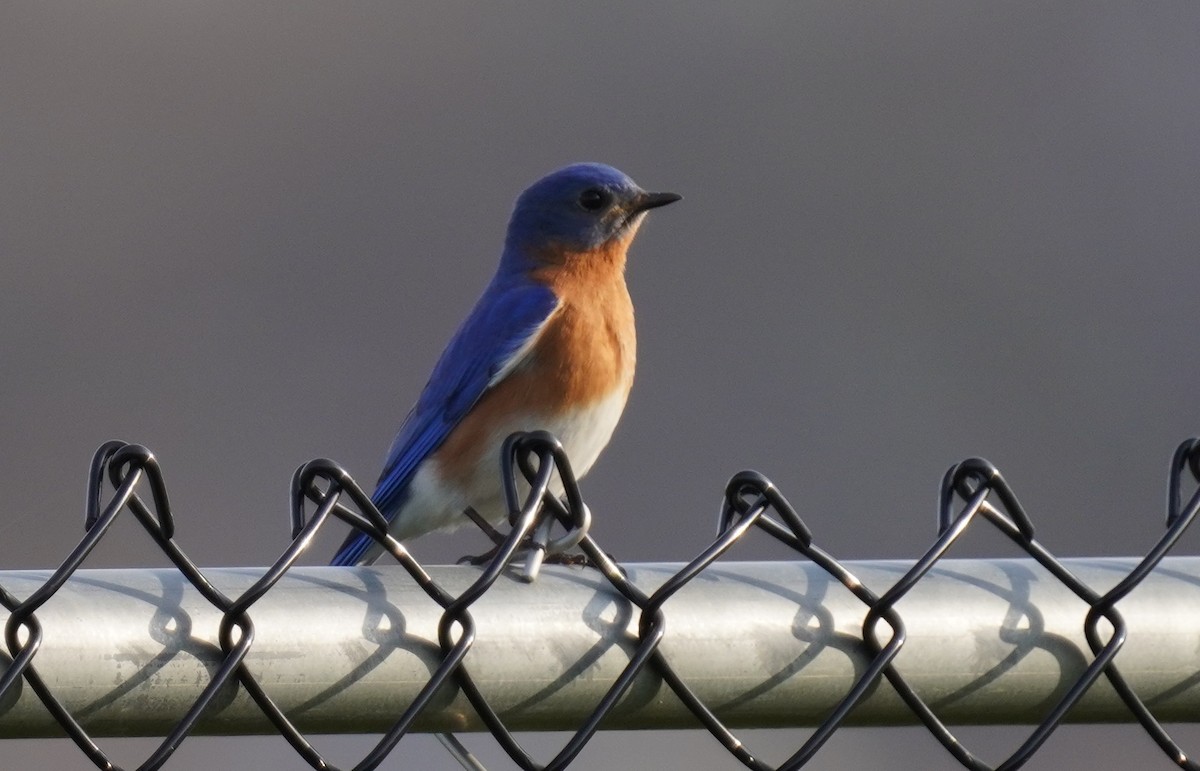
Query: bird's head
pixel 578 209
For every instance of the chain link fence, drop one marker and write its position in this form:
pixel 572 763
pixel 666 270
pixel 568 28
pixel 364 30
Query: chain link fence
pixel 126 478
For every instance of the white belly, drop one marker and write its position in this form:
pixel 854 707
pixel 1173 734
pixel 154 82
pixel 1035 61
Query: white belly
pixel 436 504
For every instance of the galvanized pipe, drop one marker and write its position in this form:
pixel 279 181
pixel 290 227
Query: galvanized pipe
pixel 765 644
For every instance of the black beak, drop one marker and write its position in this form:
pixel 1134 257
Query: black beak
pixel 647 201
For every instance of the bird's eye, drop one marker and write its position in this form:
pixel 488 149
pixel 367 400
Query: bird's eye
pixel 594 199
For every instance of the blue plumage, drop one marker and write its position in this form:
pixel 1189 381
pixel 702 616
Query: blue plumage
pixel 569 216
pixel 507 314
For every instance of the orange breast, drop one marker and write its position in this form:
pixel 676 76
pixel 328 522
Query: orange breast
pixel 586 353
pixel 590 347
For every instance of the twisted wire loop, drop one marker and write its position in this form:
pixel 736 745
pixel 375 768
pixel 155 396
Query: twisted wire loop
pixel 537 456
pixel 533 466
pixel 1180 516
pixel 975 481
pixel 360 514
pixel 127 465
pixel 748 497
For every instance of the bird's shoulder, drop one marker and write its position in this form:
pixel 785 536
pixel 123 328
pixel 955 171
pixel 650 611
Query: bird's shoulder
pixel 492 339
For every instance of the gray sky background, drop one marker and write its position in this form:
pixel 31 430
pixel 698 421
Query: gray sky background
pixel 912 233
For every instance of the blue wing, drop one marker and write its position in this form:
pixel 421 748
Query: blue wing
pixel 508 315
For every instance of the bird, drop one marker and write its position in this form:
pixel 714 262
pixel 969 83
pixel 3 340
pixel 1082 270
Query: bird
pixel 550 345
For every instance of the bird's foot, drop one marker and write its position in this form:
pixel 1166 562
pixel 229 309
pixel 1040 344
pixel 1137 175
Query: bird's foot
pixel 573 558
pixel 478 560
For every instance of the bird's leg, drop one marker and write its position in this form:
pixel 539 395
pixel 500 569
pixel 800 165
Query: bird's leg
pixel 484 525
pixel 535 543
pixel 490 532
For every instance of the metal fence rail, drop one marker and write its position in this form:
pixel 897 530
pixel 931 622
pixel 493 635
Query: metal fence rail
pixel 762 643
pixel 403 648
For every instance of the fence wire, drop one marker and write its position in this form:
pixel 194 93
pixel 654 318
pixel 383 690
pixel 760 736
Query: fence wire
pixel 971 492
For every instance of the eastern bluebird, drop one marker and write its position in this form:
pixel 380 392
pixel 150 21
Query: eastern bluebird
pixel 549 345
